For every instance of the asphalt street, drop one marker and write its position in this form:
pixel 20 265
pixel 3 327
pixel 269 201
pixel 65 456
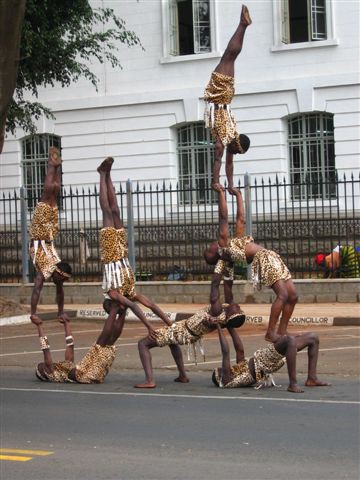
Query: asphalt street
pixel 192 431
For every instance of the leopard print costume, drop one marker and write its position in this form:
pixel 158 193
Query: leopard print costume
pixel 117 272
pixel 45 222
pixel 218 117
pixel 60 373
pixel 95 365
pixel 267 266
pixel 266 361
pixel 43 229
pixel 241 376
pixel 189 330
pixel 225 268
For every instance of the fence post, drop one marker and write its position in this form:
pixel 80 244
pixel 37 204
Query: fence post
pixel 248 215
pixel 130 224
pixel 24 237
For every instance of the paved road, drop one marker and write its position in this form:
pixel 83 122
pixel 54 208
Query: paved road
pixel 196 431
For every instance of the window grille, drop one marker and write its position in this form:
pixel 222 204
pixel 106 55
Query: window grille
pixel 35 151
pixel 318 20
pixel 195 159
pixel 312 156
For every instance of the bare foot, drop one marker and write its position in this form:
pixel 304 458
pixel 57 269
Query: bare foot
pixel 272 337
pixel 316 383
pixel 145 385
pixel 245 16
pixel 295 388
pixel 106 165
pixel 54 157
pixel 181 379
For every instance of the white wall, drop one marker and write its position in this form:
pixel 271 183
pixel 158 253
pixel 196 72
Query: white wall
pixel 132 115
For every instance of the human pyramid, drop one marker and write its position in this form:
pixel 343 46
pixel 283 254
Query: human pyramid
pixel 267 269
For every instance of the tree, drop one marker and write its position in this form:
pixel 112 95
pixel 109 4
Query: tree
pixel 59 40
pixel 11 19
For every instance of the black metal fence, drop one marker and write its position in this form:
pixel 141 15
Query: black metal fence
pixel 170 227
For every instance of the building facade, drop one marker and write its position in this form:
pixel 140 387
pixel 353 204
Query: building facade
pixel 297 98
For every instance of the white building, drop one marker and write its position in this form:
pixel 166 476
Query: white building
pixel 297 96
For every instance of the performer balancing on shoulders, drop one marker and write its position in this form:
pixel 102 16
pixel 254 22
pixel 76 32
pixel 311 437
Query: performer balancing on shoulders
pixel 44 228
pixel 191 330
pixel 118 286
pixel 267 269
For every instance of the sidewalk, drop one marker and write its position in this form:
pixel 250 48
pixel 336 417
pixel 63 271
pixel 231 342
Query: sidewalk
pixel 305 314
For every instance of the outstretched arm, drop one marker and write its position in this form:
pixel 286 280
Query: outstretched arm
pixel 105 336
pixel 135 308
pixel 69 341
pixel 44 343
pixel 38 286
pixel 226 365
pixel 219 151
pixel 229 168
pixel 215 305
pixel 223 220
pixel 238 345
pixel 228 293
pixel 153 307
pixel 240 213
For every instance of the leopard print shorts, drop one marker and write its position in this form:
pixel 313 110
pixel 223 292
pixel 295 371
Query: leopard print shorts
pixel 267 360
pixel 218 117
pixel 95 365
pixel 60 373
pixel 267 268
pixel 44 257
pixel 45 222
pixel 176 334
pixel 241 376
pixel 109 245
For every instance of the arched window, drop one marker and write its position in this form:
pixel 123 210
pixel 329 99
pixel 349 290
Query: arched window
pixel 312 156
pixel 195 159
pixel 35 150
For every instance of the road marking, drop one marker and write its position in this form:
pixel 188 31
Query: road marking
pixel 53 334
pixel 166 366
pixel 233 360
pixel 61 350
pixel 173 395
pixel 38 453
pixel 14 458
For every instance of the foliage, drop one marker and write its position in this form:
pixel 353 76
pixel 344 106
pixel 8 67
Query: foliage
pixel 59 41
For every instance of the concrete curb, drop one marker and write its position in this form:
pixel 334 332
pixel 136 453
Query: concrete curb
pixel 325 321
pixel 96 314
pixel 24 319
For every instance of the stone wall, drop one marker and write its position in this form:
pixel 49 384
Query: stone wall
pixel 309 291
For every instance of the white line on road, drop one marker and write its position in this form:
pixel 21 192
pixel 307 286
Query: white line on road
pixel 166 366
pixel 233 360
pixel 49 335
pixel 173 395
pixel 61 350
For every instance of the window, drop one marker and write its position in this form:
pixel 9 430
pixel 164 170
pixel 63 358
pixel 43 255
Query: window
pixel 195 153
pixel 303 24
pixel 189 27
pixel 312 156
pixel 35 150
